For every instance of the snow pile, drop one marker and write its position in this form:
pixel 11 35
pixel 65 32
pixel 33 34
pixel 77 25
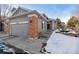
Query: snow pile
pixel 72 31
pixel 59 44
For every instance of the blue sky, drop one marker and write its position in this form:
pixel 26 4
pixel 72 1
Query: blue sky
pixel 62 11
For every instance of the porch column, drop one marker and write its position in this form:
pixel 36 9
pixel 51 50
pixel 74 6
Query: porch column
pixel 32 26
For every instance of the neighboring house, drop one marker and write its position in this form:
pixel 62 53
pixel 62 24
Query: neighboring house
pixel 25 23
pixel 51 24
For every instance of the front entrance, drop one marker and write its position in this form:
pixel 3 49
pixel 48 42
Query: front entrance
pixel 48 26
pixel 1 26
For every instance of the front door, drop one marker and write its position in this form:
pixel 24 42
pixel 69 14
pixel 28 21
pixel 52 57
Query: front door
pixel 48 26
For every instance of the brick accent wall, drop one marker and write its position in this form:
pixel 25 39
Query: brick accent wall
pixel 33 26
pixel 7 27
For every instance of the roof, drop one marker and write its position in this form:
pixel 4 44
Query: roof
pixel 50 19
pixel 27 12
pixel 20 8
pixel 44 15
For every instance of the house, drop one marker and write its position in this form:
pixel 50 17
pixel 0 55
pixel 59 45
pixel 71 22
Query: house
pixel 51 24
pixel 25 23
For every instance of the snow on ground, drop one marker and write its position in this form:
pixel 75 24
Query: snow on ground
pixel 62 44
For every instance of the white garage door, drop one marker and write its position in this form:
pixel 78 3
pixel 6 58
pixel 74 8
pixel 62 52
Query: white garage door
pixel 19 29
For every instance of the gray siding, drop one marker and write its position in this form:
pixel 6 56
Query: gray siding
pixel 40 25
pixel 19 19
pixel 45 26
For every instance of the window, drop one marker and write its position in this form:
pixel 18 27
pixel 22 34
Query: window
pixel 43 25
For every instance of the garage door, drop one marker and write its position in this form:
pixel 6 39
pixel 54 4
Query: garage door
pixel 19 29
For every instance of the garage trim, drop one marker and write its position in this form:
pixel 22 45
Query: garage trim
pixel 19 22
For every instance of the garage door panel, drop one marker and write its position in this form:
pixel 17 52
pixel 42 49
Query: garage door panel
pixel 20 29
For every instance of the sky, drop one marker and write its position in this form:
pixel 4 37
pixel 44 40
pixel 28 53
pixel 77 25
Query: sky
pixel 62 11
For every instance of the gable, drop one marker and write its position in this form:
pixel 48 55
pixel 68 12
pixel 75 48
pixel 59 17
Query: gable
pixel 20 11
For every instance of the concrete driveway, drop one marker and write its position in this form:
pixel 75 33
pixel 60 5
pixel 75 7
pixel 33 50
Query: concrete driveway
pixel 32 46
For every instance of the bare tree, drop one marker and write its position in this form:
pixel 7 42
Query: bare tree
pixel 5 9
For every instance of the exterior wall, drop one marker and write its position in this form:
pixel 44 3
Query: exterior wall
pixel 45 26
pixel 19 19
pixel 40 25
pixel 33 26
pixel 53 25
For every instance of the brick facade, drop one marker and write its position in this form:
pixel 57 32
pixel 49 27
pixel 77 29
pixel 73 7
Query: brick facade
pixel 33 26
pixel 7 27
